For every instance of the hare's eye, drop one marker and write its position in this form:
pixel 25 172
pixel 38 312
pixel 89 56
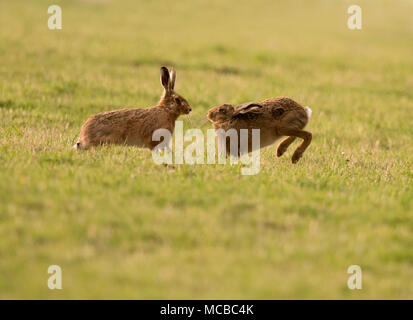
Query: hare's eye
pixel 177 100
pixel 222 110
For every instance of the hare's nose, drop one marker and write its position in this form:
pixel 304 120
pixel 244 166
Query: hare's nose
pixel 190 109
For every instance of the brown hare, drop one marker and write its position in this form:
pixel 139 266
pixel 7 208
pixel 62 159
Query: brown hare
pixel 274 117
pixel 135 126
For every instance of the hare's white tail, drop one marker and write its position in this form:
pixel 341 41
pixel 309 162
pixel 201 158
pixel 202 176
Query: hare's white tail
pixel 309 112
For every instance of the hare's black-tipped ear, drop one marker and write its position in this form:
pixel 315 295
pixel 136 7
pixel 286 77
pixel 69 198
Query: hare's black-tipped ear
pixel 173 78
pixel 277 112
pixel 165 78
pixel 248 107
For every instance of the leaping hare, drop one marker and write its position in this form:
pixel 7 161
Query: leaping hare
pixel 135 126
pixel 274 117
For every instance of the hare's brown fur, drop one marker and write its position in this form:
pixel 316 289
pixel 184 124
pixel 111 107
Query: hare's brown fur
pixel 135 126
pixel 274 117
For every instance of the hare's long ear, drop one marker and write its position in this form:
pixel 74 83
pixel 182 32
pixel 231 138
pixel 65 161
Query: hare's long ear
pixel 248 107
pixel 172 80
pixel 165 78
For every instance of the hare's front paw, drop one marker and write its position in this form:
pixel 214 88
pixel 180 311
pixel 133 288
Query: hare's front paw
pixel 296 157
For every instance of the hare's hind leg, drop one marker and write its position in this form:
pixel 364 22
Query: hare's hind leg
pixel 305 135
pixel 283 146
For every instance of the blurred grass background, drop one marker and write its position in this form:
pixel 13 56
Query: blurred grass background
pixel 122 227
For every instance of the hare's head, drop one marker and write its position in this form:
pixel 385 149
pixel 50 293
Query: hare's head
pixel 170 98
pixel 221 113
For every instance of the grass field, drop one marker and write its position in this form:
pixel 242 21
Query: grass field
pixel 122 227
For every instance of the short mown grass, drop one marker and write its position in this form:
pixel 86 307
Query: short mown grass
pixel 121 226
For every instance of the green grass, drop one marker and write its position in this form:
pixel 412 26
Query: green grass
pixel 122 227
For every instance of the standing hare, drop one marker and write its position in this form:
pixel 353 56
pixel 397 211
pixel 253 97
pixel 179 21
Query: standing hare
pixel 135 126
pixel 275 118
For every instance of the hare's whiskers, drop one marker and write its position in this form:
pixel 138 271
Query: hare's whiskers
pixel 188 116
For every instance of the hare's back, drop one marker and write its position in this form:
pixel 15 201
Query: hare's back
pixel 111 127
pixel 108 121
pixel 282 102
